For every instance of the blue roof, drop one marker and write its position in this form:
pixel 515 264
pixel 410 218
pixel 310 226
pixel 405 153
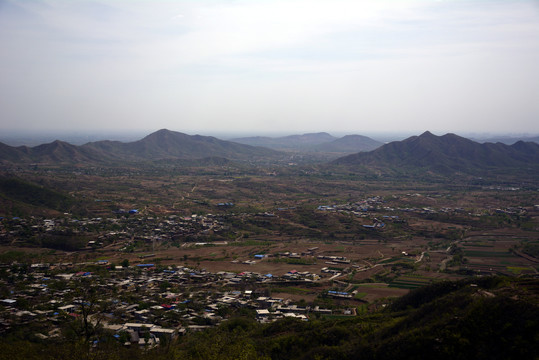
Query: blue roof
pixel 337 292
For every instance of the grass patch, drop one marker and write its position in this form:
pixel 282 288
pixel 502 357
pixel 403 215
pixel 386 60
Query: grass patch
pixel 517 270
pixel 290 290
pixel 335 316
pixel 360 295
pixel 294 261
pixel 11 256
pixel 250 243
pixel 362 309
pixel 491 254
pixel 410 282
pixel 377 286
pixel 393 259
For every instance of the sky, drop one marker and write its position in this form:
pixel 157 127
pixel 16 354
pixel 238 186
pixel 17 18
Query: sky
pixel 270 66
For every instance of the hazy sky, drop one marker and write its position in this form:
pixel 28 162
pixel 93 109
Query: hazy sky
pixel 255 66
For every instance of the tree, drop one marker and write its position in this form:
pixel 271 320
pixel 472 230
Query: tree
pixel 93 304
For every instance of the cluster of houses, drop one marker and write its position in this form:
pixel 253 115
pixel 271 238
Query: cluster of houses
pixel 334 260
pixel 142 304
pixel 366 207
pixel 113 229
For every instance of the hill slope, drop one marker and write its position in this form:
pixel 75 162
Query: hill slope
pixel 314 142
pixel 166 144
pixel 291 142
pixel 445 154
pixel 22 197
pixel 509 140
pixel 478 319
pixel 163 144
pixel 349 144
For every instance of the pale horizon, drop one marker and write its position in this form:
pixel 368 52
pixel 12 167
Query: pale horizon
pixel 270 67
pixel 33 138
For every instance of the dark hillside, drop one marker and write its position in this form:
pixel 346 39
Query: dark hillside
pixel 445 154
pixel 12 154
pixel 25 192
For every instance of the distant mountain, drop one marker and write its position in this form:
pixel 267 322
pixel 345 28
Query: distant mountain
pixel 446 154
pixel 349 144
pixel 160 145
pixel 291 142
pixel 12 154
pixel 60 151
pixel 509 140
pixel 316 142
pixel 55 152
pixel 166 144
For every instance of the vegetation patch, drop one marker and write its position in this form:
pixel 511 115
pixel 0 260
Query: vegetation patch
pixel 290 290
pixel 489 254
pixel 409 282
pixel 360 295
pixel 519 270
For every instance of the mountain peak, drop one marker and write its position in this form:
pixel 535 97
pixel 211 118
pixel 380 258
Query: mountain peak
pixel 427 134
pixel 160 133
pixel 163 131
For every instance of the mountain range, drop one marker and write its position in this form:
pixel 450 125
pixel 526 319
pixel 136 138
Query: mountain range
pixel 162 144
pixel 509 140
pixel 314 142
pixel 446 154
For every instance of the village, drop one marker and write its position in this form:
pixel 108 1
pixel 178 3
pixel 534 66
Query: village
pixel 144 304
pixel 142 279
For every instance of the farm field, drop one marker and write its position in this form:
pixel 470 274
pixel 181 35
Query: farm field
pixel 342 229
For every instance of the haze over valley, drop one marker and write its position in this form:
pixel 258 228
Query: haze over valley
pixel 269 179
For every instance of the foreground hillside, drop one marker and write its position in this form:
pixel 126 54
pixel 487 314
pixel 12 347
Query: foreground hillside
pixel 478 318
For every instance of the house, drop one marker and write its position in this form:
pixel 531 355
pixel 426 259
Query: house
pixel 68 308
pixel 9 302
pixel 262 314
